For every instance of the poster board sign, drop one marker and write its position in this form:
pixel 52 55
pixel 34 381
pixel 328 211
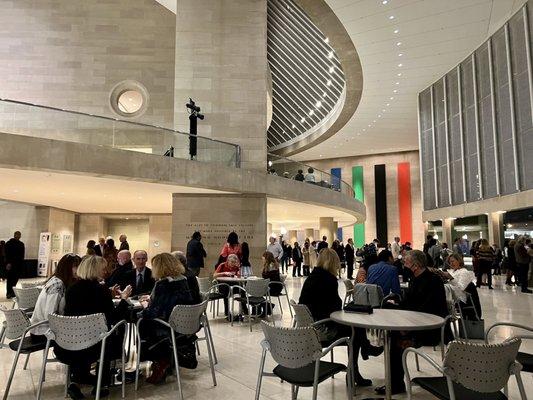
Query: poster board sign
pixel 67 244
pixel 56 244
pixel 43 259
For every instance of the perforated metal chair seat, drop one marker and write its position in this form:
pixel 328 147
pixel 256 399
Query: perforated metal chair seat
pixel 304 376
pixel 252 300
pixel 29 345
pixel 526 360
pixel 438 387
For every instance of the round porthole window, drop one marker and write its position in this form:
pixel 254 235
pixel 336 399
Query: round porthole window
pixel 129 99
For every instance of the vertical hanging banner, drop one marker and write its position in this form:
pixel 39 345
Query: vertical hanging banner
pixel 404 202
pixel 359 194
pixel 336 178
pixel 380 186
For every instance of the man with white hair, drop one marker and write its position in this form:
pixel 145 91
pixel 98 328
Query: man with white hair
pixel 120 274
pixel 124 245
pixel 275 248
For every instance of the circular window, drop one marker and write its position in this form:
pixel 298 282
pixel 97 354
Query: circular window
pixel 129 99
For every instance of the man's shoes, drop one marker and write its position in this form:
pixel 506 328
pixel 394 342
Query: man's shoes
pixel 362 382
pixel 527 291
pixel 491 288
pixel 74 392
pixel 129 375
pixel 394 390
pixel 373 351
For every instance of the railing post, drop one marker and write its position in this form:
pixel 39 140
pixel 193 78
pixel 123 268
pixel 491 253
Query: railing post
pixel 238 157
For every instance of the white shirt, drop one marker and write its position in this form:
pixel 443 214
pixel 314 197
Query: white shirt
pixel 461 279
pixel 309 177
pixel 275 249
pixel 396 249
pixel 51 300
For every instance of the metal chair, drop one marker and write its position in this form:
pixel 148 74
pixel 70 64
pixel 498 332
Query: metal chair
pixel 255 294
pixel 211 292
pixel 348 284
pixel 16 328
pixel 26 285
pixel 282 293
pixel 79 333
pixel 470 371
pixel 525 359
pixel 367 294
pixel 298 353
pixel 185 320
pixel 26 298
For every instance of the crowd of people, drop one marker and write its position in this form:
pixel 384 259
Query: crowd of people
pixel 310 177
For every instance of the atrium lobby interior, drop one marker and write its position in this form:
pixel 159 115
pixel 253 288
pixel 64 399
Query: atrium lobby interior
pixel 230 148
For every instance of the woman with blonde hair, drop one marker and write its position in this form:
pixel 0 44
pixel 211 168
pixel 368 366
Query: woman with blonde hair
pixel 170 289
pixel 320 293
pixel 485 255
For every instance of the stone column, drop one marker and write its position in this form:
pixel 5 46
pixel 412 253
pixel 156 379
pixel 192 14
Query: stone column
pixel 216 215
pixel 327 228
pixel 447 231
pixel 221 62
pixel 496 228
pixel 293 237
pixel 310 233
pixel 335 229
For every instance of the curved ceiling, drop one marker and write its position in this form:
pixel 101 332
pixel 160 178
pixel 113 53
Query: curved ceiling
pixel 404 46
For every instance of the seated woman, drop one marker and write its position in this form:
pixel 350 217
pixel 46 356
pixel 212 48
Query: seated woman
pixel 51 300
pixel 320 294
pixel 171 289
pixel 230 268
pixel 458 276
pixel 271 271
pixel 88 296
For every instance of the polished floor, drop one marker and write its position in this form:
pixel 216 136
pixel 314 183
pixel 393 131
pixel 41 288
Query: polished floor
pixel 239 354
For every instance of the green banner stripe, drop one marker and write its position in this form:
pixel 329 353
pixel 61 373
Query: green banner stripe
pixel 359 189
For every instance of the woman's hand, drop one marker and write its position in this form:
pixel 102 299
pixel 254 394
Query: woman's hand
pixel 124 294
pixel 115 291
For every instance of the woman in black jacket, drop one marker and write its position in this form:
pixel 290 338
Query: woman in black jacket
pixel 320 294
pixel 85 297
pixel 170 290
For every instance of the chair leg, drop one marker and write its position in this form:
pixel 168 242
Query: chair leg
pixel 26 362
pixel 332 360
pixel 315 380
pixel 101 370
pixel 260 376
pixel 41 377
pixel 417 363
pixel 271 311
pixel 176 363
pixel 197 347
pixel 211 340
pixel 138 360
pixel 67 381
pixel 280 307
pixel 521 389
pixel 289 303
pixel 211 364
pixel 12 373
pixel 249 315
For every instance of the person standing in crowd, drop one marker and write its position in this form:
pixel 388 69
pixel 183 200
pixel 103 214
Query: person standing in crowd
pixel 299 176
pixel 511 262
pixel 306 254
pixel 2 260
pixel 313 255
pixel 434 252
pixel 15 251
pixel 498 258
pixel 90 251
pixel 246 266
pixel 322 245
pixel 310 176
pixel 530 253
pixel 51 300
pixel 286 257
pixel 271 271
pixel 140 278
pixel 350 257
pixel 275 248
pixel 522 263
pixel 192 281
pixel 396 248
pixel 99 250
pixel 110 255
pixel 384 274
pixel 195 254
pixel 297 259
pixel 120 275
pixel 427 243
pixel 407 246
pixel 485 255
pixel 232 246
pixel 456 248
pixel 124 245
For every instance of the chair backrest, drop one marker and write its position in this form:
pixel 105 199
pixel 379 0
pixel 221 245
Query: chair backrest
pixel 186 319
pixel 349 285
pixel 16 321
pixel 27 297
pixel 302 315
pixel 367 294
pixel 483 368
pixel 473 299
pixel 257 287
pixel 292 347
pixel 77 333
pixel 204 284
pixel 26 285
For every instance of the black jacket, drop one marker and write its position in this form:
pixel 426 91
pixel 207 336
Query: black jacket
pixel 120 276
pixel 195 254
pixel 14 251
pixel 192 281
pixel 321 245
pixel 350 252
pixel 320 293
pixel 124 246
pixel 167 294
pixel 297 254
pixel 148 282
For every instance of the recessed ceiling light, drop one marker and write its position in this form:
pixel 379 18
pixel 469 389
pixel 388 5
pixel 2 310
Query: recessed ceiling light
pixel 379 116
pixel 395 91
pixel 392 98
pixel 383 110
pixel 399 44
pixel 400 55
pixel 396 31
pixel 391 17
pixel 384 1
pixel 399 74
pixel 397 83
pixel 374 121
pixel 369 125
pixel 388 104
pixel 320 155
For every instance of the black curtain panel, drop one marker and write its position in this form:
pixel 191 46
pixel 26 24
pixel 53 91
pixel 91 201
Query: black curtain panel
pixel 380 185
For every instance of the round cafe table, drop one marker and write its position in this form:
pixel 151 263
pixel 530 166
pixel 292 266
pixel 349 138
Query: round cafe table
pixel 388 320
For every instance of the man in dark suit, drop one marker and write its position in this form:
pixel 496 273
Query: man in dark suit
pixel 140 278
pixel 124 245
pixel 120 275
pixel 100 247
pixel 350 257
pixel 195 254
pixel 14 251
pixel 322 245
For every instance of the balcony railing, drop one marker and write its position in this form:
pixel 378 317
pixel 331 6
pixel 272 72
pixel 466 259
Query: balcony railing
pixel 28 119
pixel 287 168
